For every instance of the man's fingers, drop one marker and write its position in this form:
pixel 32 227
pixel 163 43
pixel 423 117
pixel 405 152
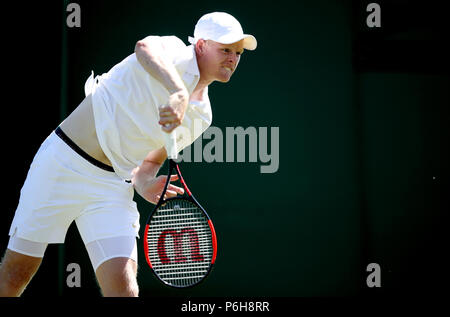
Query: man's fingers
pixel 168 120
pixel 176 189
pixel 172 190
pixel 163 178
pixel 165 111
pixel 170 193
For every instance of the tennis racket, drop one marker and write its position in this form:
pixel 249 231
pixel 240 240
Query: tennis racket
pixel 180 242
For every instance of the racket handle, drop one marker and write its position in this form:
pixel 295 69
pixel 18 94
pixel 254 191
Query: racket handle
pixel 171 144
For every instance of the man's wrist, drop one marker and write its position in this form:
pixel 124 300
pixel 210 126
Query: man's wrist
pixel 182 90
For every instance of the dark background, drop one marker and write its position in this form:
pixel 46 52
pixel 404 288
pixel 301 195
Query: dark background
pixel 363 116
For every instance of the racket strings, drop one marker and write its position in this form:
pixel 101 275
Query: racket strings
pixel 180 243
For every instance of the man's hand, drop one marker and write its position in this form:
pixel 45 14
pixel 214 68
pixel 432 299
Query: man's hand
pixel 172 114
pixel 151 189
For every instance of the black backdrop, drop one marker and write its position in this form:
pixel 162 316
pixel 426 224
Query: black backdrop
pixel 363 124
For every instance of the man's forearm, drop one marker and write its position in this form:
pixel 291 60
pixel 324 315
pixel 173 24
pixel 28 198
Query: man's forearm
pixel 144 173
pixel 150 54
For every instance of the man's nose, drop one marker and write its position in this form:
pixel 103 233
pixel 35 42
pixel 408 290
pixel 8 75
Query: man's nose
pixel 233 58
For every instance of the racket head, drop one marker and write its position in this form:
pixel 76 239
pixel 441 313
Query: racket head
pixel 180 242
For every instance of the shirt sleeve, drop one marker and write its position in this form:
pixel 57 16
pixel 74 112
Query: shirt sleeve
pixel 172 45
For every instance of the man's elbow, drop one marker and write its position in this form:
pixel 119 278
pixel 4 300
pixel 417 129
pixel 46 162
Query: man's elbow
pixel 140 46
pixel 150 42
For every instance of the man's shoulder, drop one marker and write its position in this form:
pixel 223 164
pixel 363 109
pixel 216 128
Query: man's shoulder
pixel 172 42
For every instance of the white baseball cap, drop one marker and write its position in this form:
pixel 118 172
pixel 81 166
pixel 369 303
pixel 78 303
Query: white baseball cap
pixel 223 28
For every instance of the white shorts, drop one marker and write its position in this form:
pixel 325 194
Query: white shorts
pixel 62 187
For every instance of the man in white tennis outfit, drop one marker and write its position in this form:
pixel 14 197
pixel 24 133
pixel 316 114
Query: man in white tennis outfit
pixel 112 143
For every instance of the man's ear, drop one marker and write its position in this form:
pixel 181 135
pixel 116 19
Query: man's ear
pixel 200 46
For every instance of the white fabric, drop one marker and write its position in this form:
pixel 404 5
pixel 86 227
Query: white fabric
pixel 103 250
pixel 126 101
pixel 62 187
pixel 27 247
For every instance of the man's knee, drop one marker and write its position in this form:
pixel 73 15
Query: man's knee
pixel 16 271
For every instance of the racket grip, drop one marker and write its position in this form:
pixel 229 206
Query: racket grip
pixel 171 144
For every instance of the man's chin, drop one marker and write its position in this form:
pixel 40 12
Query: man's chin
pixel 224 79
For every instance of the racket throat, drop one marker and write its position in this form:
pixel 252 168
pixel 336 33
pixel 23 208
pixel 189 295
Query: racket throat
pixel 174 165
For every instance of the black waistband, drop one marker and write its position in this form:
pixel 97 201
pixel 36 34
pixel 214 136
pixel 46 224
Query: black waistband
pixel 77 149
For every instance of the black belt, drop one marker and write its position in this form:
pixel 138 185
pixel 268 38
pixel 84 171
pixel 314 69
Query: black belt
pixel 77 149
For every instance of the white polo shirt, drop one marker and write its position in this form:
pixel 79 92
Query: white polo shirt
pixel 125 103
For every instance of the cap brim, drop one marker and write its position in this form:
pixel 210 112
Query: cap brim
pixel 250 42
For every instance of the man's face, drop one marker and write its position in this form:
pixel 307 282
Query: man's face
pixel 218 61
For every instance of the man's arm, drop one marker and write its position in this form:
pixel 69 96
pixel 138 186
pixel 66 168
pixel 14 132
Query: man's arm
pixel 147 184
pixel 150 54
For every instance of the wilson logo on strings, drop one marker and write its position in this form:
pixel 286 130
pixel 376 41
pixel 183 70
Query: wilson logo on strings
pixel 177 246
